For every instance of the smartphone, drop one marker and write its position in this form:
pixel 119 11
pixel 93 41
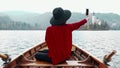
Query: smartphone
pixel 87 12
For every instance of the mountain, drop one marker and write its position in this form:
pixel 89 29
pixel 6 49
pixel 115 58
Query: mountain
pixel 22 16
pixel 112 19
pixel 109 17
pixel 42 20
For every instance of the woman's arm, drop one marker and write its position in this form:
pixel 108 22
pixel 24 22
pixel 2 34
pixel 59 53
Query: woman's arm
pixel 76 25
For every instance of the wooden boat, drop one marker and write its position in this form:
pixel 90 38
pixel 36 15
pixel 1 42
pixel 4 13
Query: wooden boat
pixel 79 59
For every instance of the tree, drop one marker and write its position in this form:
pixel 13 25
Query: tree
pixel 104 25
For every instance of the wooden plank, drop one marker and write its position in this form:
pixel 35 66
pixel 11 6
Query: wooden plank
pixel 66 64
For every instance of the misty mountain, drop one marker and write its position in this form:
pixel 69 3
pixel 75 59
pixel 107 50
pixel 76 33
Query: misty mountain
pixel 109 17
pixel 42 20
pixel 22 16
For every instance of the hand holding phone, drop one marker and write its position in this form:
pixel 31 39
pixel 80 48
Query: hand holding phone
pixel 87 14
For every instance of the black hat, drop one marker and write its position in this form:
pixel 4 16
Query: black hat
pixel 60 16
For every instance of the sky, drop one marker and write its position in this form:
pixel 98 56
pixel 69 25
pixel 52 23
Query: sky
pixel 42 6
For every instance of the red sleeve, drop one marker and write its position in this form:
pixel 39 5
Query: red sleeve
pixel 76 25
pixel 47 37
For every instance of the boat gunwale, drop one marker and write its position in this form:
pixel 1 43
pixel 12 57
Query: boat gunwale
pixel 92 56
pixel 22 54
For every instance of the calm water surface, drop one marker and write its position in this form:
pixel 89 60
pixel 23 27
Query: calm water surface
pixel 98 43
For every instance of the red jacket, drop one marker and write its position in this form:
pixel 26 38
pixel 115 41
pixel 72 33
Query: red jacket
pixel 59 40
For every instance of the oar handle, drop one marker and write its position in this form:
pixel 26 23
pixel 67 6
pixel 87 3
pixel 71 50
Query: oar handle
pixel 3 56
pixel 107 58
pixel 111 54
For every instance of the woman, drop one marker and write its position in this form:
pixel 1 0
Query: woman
pixel 59 37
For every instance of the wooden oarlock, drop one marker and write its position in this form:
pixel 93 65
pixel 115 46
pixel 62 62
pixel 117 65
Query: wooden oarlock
pixel 5 58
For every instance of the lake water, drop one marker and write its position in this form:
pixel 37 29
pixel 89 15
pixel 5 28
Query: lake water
pixel 98 43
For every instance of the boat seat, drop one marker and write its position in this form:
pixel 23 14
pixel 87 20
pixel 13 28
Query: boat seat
pixel 65 64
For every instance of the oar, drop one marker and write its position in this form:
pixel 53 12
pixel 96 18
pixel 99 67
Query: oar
pixel 5 58
pixel 107 58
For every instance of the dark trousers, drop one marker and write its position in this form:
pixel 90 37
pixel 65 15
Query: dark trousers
pixel 43 56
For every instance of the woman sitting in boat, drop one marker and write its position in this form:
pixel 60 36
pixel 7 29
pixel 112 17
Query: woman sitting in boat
pixel 59 37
